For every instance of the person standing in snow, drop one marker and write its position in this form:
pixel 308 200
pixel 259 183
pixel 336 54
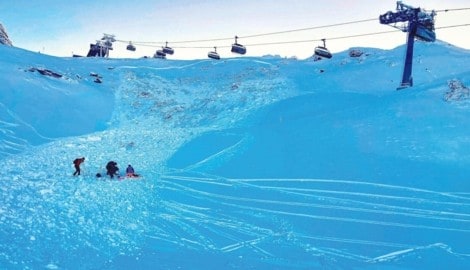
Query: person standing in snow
pixel 76 164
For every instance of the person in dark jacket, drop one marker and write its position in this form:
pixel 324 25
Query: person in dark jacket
pixel 76 164
pixel 111 169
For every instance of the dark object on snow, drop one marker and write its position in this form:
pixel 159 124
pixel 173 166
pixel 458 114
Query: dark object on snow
pixel 98 175
pixel 98 80
pixel 46 72
pixel 355 53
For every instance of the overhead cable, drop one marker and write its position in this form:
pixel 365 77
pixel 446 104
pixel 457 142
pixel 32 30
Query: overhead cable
pixel 305 41
pixel 143 43
pixel 309 28
pixel 451 9
pixel 255 35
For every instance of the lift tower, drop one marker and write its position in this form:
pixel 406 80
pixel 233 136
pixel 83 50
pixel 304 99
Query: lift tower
pixel 418 24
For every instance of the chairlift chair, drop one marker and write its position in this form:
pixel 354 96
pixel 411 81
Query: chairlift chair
pixel 168 50
pixel 322 51
pixel 214 54
pixel 238 48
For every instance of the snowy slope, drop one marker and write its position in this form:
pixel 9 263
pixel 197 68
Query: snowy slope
pixel 248 163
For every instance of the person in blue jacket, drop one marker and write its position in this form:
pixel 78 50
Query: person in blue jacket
pixel 130 172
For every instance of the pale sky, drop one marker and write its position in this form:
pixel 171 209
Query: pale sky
pixel 60 28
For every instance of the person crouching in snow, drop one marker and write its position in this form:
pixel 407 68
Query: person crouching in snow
pixel 130 171
pixel 111 169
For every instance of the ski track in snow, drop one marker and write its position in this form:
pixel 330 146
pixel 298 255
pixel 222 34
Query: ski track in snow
pixel 441 217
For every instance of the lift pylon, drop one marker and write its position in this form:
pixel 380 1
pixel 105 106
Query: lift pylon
pixel 419 24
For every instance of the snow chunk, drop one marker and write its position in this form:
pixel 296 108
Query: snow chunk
pixel 91 139
pixel 457 91
pixel 52 266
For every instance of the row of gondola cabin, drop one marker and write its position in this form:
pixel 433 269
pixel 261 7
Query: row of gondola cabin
pixel 321 51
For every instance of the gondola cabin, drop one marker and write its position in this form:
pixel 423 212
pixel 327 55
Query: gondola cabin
pixel 130 47
pixel 159 54
pixel 322 51
pixel 214 54
pixel 238 48
pixel 168 50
